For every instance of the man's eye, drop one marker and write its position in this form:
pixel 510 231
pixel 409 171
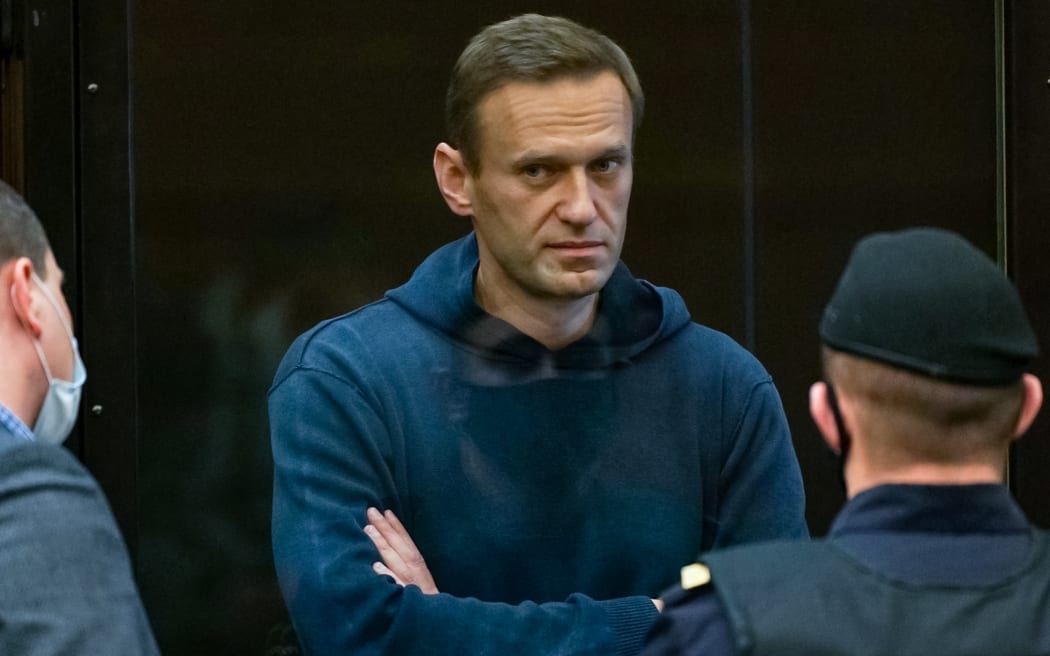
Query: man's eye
pixel 605 165
pixel 534 171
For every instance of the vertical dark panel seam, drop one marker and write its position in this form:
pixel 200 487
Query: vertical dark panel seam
pixel 78 209
pixel 105 200
pixel 133 351
pixel 747 144
pixel 1004 178
pixel 1002 218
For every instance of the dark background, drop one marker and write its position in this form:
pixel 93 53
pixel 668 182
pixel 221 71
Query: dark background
pixel 242 170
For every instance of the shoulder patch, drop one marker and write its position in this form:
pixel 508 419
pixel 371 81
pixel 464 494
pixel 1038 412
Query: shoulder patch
pixel 695 576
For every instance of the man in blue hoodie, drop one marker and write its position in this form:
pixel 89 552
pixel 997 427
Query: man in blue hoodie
pixel 556 435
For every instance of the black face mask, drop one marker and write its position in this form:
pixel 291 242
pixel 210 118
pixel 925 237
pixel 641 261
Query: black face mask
pixel 844 438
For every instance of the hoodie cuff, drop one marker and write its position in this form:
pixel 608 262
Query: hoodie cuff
pixel 630 618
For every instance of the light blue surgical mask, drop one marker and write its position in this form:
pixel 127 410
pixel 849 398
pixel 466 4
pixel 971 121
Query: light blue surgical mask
pixel 58 414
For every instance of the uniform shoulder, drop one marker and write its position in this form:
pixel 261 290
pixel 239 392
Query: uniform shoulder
pixel 764 563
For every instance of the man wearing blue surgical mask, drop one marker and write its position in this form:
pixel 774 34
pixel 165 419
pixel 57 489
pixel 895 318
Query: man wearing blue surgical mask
pixel 58 413
pixel 67 584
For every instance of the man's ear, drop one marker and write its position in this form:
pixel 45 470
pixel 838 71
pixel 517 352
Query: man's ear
pixel 23 301
pixel 1033 400
pixel 823 417
pixel 453 179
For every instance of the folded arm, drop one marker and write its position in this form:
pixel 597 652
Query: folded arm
pixel 332 461
pixel 400 559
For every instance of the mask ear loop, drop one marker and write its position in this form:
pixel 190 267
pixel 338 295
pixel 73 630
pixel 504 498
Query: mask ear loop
pixel 844 436
pixel 36 342
pixel 54 304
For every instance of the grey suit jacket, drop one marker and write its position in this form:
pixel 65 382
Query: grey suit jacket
pixel 66 585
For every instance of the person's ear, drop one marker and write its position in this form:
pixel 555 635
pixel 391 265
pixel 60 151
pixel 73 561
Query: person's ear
pixel 453 179
pixel 823 417
pixel 23 301
pixel 1033 400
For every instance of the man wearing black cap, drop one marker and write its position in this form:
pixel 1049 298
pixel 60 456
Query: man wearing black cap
pixel 925 344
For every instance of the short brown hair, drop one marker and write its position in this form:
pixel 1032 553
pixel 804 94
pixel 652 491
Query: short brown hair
pixel 921 418
pixel 529 48
pixel 21 234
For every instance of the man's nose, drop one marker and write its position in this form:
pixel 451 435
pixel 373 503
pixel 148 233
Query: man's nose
pixel 577 204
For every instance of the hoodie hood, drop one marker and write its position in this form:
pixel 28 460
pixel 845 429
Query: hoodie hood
pixel 633 314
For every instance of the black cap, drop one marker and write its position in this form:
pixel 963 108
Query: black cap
pixel 926 300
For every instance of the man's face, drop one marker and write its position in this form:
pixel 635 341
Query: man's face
pixel 53 338
pixel 550 199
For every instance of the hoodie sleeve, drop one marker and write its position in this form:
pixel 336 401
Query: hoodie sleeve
pixel 333 459
pixel 760 485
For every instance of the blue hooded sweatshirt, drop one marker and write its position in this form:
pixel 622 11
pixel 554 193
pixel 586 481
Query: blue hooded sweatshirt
pixel 552 493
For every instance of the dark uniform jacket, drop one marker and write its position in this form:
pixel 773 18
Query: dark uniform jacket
pixel 905 569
